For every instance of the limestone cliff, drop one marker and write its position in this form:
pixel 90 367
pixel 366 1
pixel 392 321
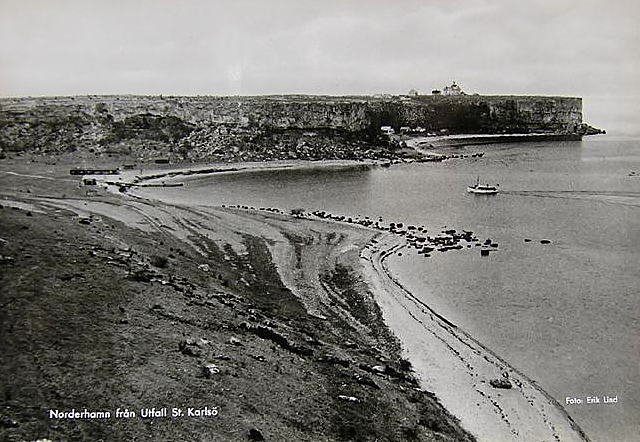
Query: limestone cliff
pixel 264 127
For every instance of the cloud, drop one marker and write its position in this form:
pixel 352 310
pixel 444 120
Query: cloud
pixel 564 47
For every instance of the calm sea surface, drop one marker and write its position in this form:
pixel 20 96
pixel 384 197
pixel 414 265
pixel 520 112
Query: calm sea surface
pixel 566 313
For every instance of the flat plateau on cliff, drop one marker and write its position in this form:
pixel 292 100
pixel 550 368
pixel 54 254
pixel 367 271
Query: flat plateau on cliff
pixel 265 128
pixel 111 303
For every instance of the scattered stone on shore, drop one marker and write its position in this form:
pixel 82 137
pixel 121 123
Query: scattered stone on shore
pixel 235 341
pixel 209 370
pixel 381 370
pixel 354 399
pixel 190 347
pixel 332 359
pixel 142 275
pixel 277 338
pixel 503 383
pixel 365 380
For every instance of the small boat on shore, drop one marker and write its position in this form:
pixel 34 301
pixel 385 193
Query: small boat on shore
pixel 482 189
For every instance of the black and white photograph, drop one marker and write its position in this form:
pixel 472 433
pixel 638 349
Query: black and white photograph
pixel 323 221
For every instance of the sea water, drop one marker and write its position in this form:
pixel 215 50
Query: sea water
pixel 564 313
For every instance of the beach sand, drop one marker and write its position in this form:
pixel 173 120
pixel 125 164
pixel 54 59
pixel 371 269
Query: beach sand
pixel 459 369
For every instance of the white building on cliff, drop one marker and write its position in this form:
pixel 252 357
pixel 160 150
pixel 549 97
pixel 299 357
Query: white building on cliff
pixel 454 89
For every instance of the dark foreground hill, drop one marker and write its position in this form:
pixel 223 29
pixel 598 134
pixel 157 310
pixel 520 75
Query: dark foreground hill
pixel 100 315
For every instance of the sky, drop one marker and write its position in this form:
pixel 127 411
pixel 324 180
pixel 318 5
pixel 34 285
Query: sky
pixel 585 48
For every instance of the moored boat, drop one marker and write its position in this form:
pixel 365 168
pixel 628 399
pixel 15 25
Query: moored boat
pixel 484 189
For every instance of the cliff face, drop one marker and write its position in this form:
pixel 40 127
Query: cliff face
pixel 263 127
pixel 495 114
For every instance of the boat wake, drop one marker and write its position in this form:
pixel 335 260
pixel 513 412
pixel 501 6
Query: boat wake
pixel 628 198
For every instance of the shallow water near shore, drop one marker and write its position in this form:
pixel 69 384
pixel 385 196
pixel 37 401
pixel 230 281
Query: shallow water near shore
pixel 566 313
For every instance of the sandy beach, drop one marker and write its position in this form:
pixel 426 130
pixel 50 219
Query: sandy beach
pixel 329 295
pixel 463 371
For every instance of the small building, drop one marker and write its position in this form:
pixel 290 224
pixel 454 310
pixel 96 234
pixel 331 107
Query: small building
pixel 89 181
pixel 454 89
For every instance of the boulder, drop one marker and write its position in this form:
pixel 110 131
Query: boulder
pixel 209 370
pixel 189 347
pixel 342 397
pixel 255 434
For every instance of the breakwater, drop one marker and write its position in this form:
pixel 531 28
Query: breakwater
pixel 266 127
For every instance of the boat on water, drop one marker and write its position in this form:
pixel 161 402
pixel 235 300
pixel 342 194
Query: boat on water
pixel 483 189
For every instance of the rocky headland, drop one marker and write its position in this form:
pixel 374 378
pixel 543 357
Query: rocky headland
pixel 265 128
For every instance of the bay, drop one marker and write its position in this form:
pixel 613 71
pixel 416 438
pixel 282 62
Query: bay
pixel 565 313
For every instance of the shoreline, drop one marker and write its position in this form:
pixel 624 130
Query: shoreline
pixel 157 176
pixel 523 412
pixel 514 418
pixel 315 338
pixel 532 413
